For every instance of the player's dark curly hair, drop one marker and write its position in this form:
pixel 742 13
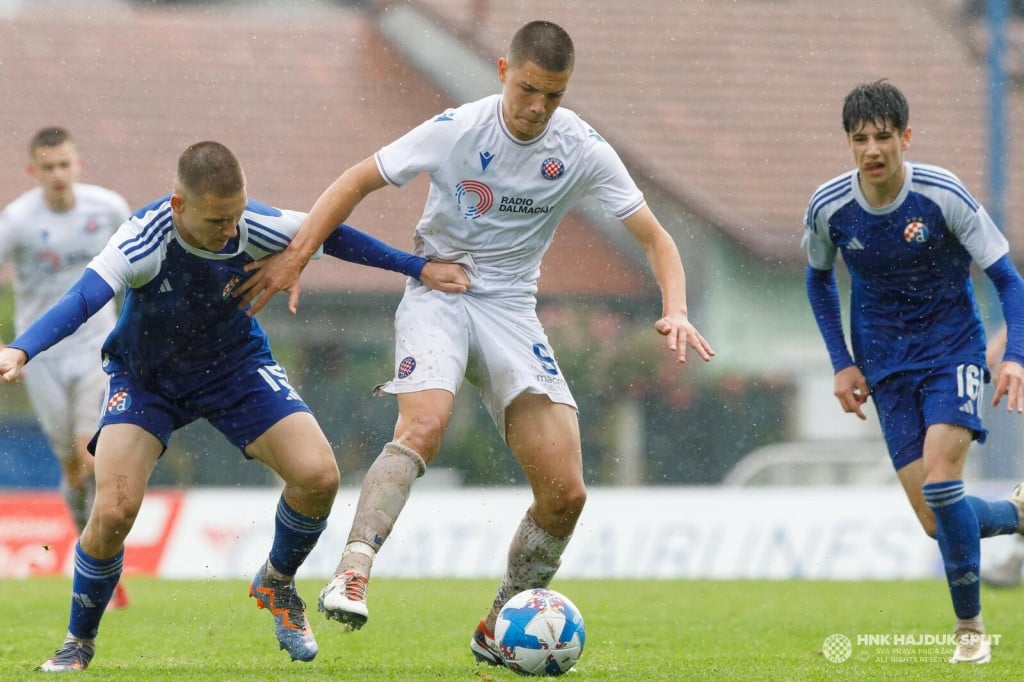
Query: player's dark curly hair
pixel 209 168
pixel 880 102
pixel 545 44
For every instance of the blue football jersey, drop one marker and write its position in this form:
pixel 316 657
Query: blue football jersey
pixel 912 301
pixel 180 327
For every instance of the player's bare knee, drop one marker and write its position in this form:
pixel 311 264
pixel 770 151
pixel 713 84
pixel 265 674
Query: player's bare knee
pixel 422 435
pixel 112 521
pixel 563 503
pixel 328 482
pixel 318 487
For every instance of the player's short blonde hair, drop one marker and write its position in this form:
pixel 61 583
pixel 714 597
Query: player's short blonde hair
pixel 209 167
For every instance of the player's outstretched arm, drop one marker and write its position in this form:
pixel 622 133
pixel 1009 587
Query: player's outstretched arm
pixel 355 246
pixel 281 272
pixel 663 257
pixel 86 296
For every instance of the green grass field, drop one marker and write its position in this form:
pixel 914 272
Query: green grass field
pixel 419 630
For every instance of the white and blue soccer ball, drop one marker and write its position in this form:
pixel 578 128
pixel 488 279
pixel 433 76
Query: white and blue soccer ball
pixel 540 632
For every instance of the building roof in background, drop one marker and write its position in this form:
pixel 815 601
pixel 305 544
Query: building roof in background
pixel 734 107
pixel 297 105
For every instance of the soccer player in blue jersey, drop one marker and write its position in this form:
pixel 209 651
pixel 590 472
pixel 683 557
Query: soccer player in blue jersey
pixel 908 233
pixel 504 171
pixel 183 350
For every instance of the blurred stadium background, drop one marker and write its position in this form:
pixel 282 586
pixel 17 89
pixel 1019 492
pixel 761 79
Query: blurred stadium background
pixel 727 114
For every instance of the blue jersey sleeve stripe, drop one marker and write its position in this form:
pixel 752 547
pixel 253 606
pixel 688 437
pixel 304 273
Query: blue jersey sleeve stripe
pixel 263 245
pixel 945 181
pixel 829 192
pixel 270 235
pixel 157 226
pixel 151 245
pixel 956 190
pixel 825 197
pixel 154 232
pixel 266 242
pixel 935 173
pixel 841 181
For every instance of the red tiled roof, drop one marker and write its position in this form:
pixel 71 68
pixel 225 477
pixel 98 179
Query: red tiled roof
pixel 734 107
pixel 297 103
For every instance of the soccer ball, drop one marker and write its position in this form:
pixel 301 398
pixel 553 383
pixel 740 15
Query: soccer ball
pixel 540 632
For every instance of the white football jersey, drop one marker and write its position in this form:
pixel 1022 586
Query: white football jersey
pixel 495 201
pixel 50 250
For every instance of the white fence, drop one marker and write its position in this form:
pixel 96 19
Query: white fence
pixel 827 533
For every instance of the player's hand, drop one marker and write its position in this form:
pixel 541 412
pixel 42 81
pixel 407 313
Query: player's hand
pixel 279 272
pixel 11 362
pixel 450 278
pixel 851 388
pixel 680 334
pixel 1010 382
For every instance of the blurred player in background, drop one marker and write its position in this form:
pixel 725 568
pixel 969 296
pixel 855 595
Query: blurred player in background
pixel 504 171
pixel 51 233
pixel 908 233
pixel 1006 573
pixel 183 350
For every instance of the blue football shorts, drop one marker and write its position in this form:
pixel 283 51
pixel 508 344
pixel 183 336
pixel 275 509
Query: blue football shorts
pixel 242 406
pixel 909 402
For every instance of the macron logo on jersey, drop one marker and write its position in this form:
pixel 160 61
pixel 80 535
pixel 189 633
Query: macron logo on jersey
pixel 444 117
pixel 485 160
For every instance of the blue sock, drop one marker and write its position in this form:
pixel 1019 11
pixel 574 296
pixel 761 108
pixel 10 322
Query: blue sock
pixel 295 536
pixel 995 518
pixel 956 529
pixel 91 589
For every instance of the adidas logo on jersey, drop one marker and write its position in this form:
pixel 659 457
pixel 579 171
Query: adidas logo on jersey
pixel 968 407
pixel 855 245
pixel 165 286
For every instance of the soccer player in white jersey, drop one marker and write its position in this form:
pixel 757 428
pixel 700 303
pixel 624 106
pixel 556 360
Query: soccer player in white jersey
pixel 908 233
pixel 503 171
pixel 50 233
pixel 183 350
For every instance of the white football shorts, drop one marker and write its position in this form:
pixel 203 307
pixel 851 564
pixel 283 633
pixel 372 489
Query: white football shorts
pixel 498 344
pixel 66 393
